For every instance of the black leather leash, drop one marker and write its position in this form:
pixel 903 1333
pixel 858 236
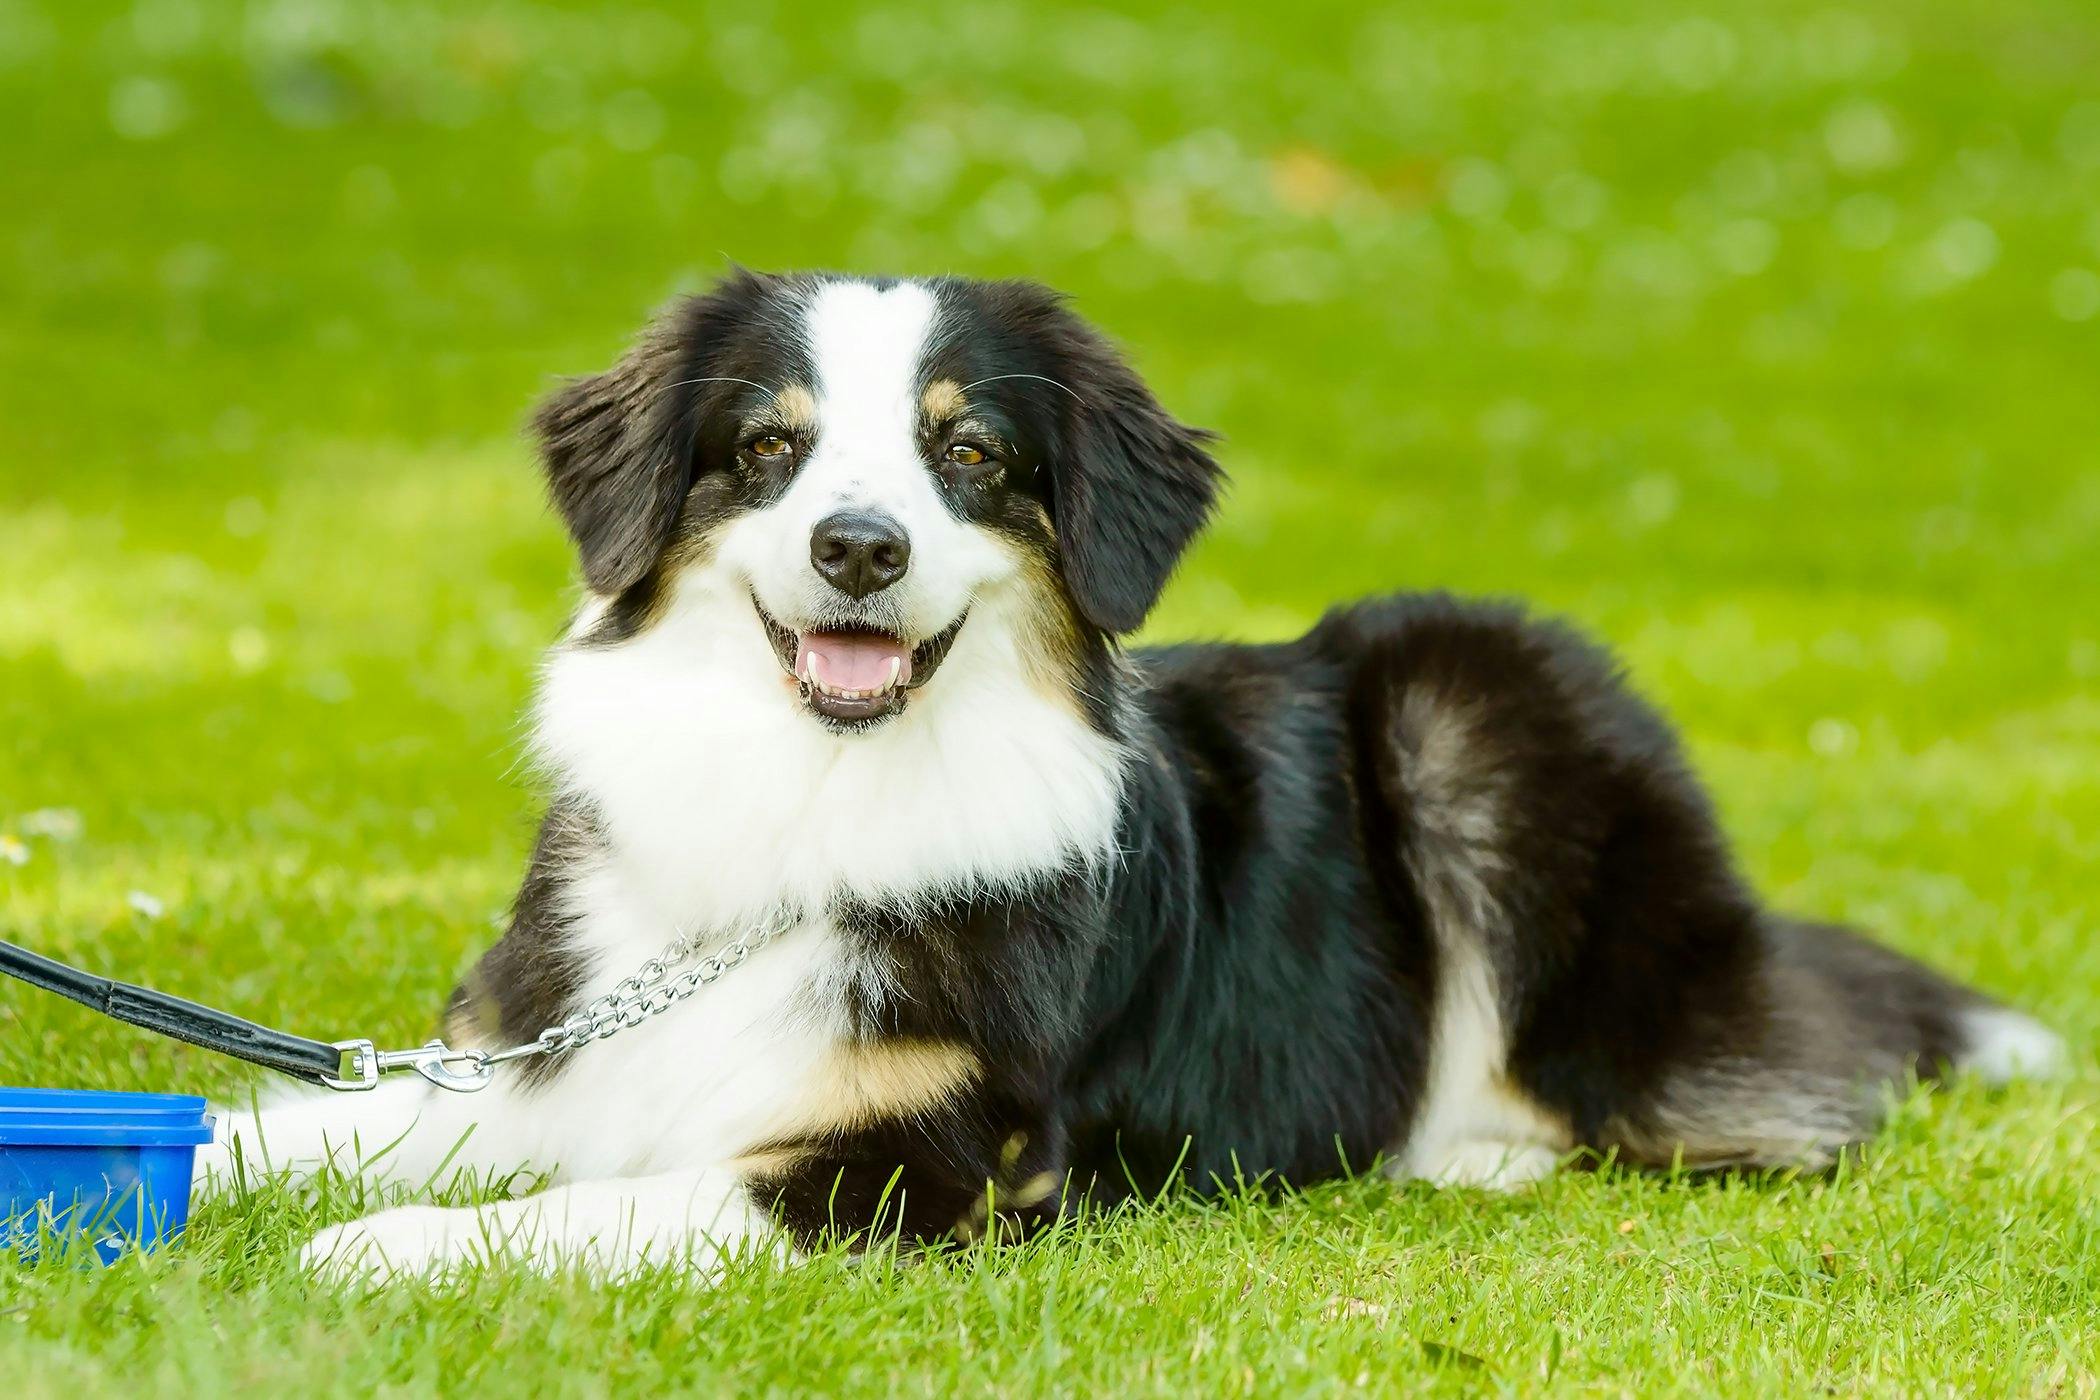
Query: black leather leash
pixel 315 1061
pixel 358 1064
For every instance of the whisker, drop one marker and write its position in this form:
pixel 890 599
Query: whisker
pixel 993 379
pixel 724 379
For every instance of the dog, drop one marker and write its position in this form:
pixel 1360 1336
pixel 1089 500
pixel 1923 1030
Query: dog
pixel 1022 921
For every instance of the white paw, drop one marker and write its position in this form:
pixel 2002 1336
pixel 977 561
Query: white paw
pixel 1493 1166
pixel 407 1242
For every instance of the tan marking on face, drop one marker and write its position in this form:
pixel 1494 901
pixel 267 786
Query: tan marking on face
pixel 1050 645
pixel 796 408
pixel 942 401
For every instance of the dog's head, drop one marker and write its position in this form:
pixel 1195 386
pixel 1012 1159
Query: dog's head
pixel 871 465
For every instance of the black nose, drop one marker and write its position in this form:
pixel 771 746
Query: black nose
pixel 861 553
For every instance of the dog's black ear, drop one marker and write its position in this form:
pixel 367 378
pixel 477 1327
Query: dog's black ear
pixel 1130 486
pixel 618 455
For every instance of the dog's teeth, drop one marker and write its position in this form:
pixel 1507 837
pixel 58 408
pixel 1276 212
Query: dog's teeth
pixel 813 682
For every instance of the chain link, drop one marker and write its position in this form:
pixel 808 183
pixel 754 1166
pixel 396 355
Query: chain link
pixel 649 991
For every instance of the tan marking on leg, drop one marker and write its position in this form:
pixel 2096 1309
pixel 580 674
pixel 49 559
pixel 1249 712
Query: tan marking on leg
pixel 1010 1152
pixel 863 1083
pixel 989 1213
pixel 1034 1191
pixel 769 1161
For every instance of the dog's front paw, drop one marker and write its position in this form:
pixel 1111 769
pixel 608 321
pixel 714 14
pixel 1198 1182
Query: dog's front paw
pixel 407 1242
pixel 1487 1164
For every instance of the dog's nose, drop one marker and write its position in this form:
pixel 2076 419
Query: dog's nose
pixel 861 553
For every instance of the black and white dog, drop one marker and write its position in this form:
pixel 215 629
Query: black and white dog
pixel 1055 921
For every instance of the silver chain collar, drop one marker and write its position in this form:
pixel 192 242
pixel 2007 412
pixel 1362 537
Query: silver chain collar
pixel 650 991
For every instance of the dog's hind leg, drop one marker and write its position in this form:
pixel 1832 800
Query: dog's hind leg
pixel 1444 816
pixel 1603 977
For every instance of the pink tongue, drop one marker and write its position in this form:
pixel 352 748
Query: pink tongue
pixel 852 660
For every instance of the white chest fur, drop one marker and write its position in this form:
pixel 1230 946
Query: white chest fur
pixel 722 802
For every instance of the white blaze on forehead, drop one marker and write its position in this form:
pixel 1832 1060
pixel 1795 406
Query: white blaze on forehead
pixel 867 345
pixel 867 349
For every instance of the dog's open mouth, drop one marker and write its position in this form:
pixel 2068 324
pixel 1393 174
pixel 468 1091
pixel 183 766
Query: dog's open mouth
pixel 853 677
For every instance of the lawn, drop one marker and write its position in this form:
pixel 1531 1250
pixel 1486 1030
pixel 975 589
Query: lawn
pixel 1760 340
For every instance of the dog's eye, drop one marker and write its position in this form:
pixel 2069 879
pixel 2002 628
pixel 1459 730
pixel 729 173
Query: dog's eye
pixel 770 447
pixel 965 454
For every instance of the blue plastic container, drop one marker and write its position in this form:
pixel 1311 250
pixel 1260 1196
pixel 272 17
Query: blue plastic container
pixel 113 1169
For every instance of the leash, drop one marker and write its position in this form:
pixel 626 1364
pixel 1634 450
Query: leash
pixel 356 1065
pixel 311 1060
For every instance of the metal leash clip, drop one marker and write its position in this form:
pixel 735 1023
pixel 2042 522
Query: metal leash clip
pixel 364 1064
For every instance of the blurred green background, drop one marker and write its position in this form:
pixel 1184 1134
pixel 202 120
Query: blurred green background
pixel 1761 339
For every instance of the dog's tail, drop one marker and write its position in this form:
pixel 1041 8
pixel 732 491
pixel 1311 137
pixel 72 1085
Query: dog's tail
pixel 1841 1019
pixel 2004 1045
pixel 1884 1012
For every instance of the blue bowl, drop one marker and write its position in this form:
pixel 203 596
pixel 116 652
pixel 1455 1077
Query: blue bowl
pixel 112 1169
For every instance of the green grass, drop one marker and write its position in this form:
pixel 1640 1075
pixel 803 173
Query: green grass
pixel 1760 340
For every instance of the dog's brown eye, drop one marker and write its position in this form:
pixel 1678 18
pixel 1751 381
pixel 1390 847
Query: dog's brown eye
pixel 964 455
pixel 770 447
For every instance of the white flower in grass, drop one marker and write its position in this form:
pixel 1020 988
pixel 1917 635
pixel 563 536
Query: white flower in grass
pixel 145 108
pixel 2075 294
pixel 1833 738
pixel 53 823
pixel 145 905
pixel 1966 248
pixel 14 850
